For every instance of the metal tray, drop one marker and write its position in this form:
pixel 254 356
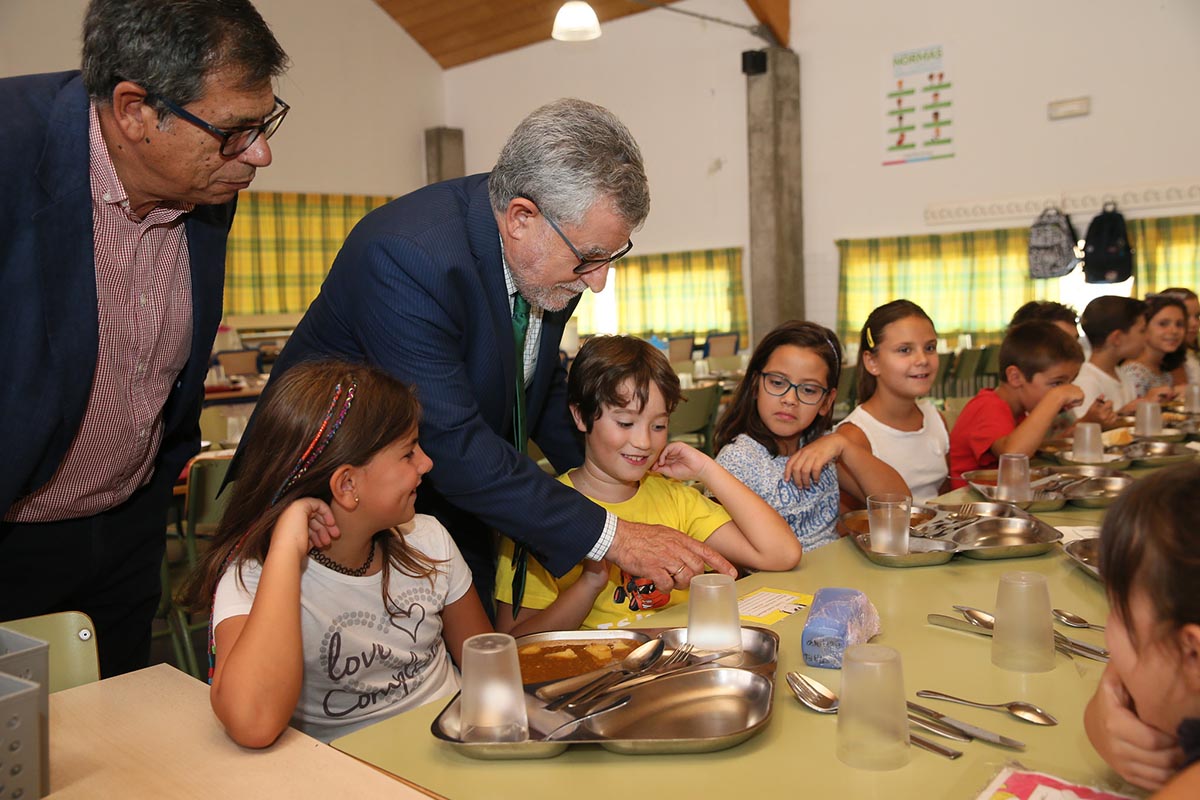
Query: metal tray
pixel 1097 492
pixel 855 522
pixel 1085 553
pixel 1038 476
pixel 1042 500
pixel 1158 454
pixel 922 552
pixel 712 708
pixel 1164 435
pixel 1011 537
pixel 1075 471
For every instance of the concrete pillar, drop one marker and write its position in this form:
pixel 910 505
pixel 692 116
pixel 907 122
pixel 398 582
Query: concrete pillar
pixel 776 221
pixel 444 157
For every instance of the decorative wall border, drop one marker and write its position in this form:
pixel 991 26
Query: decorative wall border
pixel 1163 195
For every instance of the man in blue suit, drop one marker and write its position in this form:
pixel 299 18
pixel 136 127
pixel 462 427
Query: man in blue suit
pixel 119 189
pixel 428 287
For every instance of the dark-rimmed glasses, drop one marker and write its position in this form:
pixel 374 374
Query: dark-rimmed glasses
pixel 235 141
pixel 776 385
pixel 585 265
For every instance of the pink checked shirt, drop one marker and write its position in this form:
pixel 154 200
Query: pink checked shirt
pixel 144 307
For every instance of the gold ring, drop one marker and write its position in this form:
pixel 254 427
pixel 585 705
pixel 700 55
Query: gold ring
pixel 682 567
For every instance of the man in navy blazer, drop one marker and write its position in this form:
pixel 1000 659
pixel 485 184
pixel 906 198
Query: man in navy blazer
pixel 118 198
pixel 426 288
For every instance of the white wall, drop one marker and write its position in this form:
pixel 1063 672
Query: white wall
pixel 362 91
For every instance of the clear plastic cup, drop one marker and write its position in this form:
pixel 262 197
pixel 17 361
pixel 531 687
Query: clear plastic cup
pixel 1023 639
pixel 1087 445
pixel 872 730
pixel 493 699
pixel 1191 398
pixel 1147 419
pixel 1012 485
pixel 889 516
pixel 713 621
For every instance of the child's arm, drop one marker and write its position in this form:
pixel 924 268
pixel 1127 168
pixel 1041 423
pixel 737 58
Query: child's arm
pixel 566 613
pixel 1140 754
pixel 860 473
pixel 756 537
pixel 1159 394
pixel 461 620
pixel 1101 410
pixel 260 664
pixel 1028 436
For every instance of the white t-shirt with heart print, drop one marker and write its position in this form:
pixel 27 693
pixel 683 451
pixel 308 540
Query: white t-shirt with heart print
pixel 360 665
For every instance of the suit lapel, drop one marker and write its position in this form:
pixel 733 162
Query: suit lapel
pixel 485 246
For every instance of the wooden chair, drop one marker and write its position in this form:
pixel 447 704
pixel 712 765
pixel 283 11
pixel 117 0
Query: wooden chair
pixel 679 348
pixel 72 639
pixel 240 362
pixel 720 344
pixel 695 417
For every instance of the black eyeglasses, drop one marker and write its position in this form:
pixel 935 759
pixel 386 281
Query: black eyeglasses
pixel 810 394
pixel 236 141
pixel 585 265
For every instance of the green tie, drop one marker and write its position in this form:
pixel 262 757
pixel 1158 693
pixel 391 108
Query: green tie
pixel 520 438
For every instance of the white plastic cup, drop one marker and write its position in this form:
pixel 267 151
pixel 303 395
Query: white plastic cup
pixel 492 705
pixel 889 516
pixel 1023 639
pixel 700 368
pixel 1012 484
pixel 1147 419
pixel 1088 445
pixel 872 730
pixel 685 380
pixel 713 620
pixel 1191 398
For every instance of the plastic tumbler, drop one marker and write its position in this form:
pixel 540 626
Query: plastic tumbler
pixel 1023 639
pixel 1088 446
pixel 872 730
pixel 1147 419
pixel 1012 485
pixel 1191 398
pixel 713 621
pixel 889 517
pixel 492 705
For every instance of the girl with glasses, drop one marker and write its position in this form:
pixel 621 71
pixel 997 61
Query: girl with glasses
pixel 895 420
pixel 774 437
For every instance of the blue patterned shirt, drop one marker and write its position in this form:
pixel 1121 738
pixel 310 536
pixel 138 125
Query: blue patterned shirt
pixel 811 512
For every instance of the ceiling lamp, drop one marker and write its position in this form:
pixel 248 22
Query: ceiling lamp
pixel 575 22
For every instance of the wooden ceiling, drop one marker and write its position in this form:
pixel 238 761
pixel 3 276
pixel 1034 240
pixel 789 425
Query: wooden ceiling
pixel 457 32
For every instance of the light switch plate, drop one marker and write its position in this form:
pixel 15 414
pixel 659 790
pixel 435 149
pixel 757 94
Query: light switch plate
pixel 1073 107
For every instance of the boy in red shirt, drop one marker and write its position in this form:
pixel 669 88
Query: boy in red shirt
pixel 1038 362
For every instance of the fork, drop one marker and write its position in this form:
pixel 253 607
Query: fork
pixel 678 656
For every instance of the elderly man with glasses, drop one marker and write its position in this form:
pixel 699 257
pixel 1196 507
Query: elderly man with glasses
pixel 463 289
pixel 120 184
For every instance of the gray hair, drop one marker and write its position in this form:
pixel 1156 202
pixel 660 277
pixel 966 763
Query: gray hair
pixel 171 47
pixel 565 156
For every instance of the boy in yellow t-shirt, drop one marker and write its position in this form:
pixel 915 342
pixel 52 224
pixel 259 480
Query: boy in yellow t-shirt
pixel 621 392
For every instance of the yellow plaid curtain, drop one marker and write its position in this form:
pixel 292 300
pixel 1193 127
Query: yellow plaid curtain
pixel 282 245
pixel 672 293
pixel 1167 252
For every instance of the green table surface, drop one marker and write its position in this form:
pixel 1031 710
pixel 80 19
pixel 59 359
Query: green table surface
pixel 794 755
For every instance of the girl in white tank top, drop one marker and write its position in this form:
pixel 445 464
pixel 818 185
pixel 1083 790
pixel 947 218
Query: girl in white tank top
pixel 897 364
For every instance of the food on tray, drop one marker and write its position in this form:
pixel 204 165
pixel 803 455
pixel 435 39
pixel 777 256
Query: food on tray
pixel 1117 437
pixel 552 661
pixel 858 522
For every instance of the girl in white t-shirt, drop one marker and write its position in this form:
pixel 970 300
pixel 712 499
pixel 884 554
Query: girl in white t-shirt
pixel 334 604
pixel 897 364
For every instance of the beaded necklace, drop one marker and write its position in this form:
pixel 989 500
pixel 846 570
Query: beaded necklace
pixel 325 561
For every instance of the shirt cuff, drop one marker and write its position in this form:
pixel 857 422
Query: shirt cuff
pixel 600 548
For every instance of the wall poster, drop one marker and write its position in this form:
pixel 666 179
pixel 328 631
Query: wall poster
pixel 919 107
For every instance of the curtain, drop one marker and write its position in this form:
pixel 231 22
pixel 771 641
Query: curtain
pixel 282 245
pixel 1167 252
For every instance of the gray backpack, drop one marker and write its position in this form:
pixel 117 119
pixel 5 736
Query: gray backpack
pixel 1052 242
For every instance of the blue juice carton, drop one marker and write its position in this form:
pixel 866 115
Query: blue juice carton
pixel 837 619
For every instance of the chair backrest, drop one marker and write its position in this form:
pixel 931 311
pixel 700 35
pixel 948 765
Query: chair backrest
pixel 697 414
pixel 239 362
pixel 72 638
pixel 681 367
pixel 966 371
pixel 204 508
pixel 721 344
pixel 954 407
pixel 725 363
pixel 679 348
pixel 945 368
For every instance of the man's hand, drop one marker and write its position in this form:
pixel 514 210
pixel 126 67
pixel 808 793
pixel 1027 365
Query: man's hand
pixel 663 555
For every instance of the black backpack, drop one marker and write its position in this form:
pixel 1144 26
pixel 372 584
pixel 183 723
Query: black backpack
pixel 1052 245
pixel 1107 254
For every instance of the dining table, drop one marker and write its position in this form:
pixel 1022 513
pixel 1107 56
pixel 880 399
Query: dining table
pixel 795 753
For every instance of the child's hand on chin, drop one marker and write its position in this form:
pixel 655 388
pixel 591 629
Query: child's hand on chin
pixel 681 462
pixel 805 466
pixel 313 522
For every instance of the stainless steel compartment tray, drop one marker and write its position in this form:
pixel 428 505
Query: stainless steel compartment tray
pixel 1085 553
pixel 712 708
pixel 1005 537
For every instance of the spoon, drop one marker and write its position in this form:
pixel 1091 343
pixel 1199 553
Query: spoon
pixel 569 724
pixel 1018 708
pixel 1074 620
pixel 638 660
pixel 821 699
pixel 983 619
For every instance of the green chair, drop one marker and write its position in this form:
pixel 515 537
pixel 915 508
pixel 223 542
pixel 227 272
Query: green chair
pixel 966 372
pixel 681 367
pixel 989 366
pixel 944 371
pixel 695 417
pixel 725 363
pixel 72 638
pixel 847 392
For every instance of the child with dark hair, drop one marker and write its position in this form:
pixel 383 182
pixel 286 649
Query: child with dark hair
pixel 773 437
pixel 1116 329
pixel 1144 718
pixel 621 392
pixel 1190 371
pixel 1038 361
pixel 1166 324
pixel 894 420
pixel 1048 311
pixel 363 626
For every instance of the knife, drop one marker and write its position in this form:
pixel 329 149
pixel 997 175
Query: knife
pixel 957 624
pixel 940 728
pixel 934 747
pixel 638 680
pixel 974 731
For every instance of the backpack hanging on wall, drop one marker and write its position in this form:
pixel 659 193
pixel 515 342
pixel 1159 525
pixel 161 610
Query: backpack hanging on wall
pixel 1052 241
pixel 1107 254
